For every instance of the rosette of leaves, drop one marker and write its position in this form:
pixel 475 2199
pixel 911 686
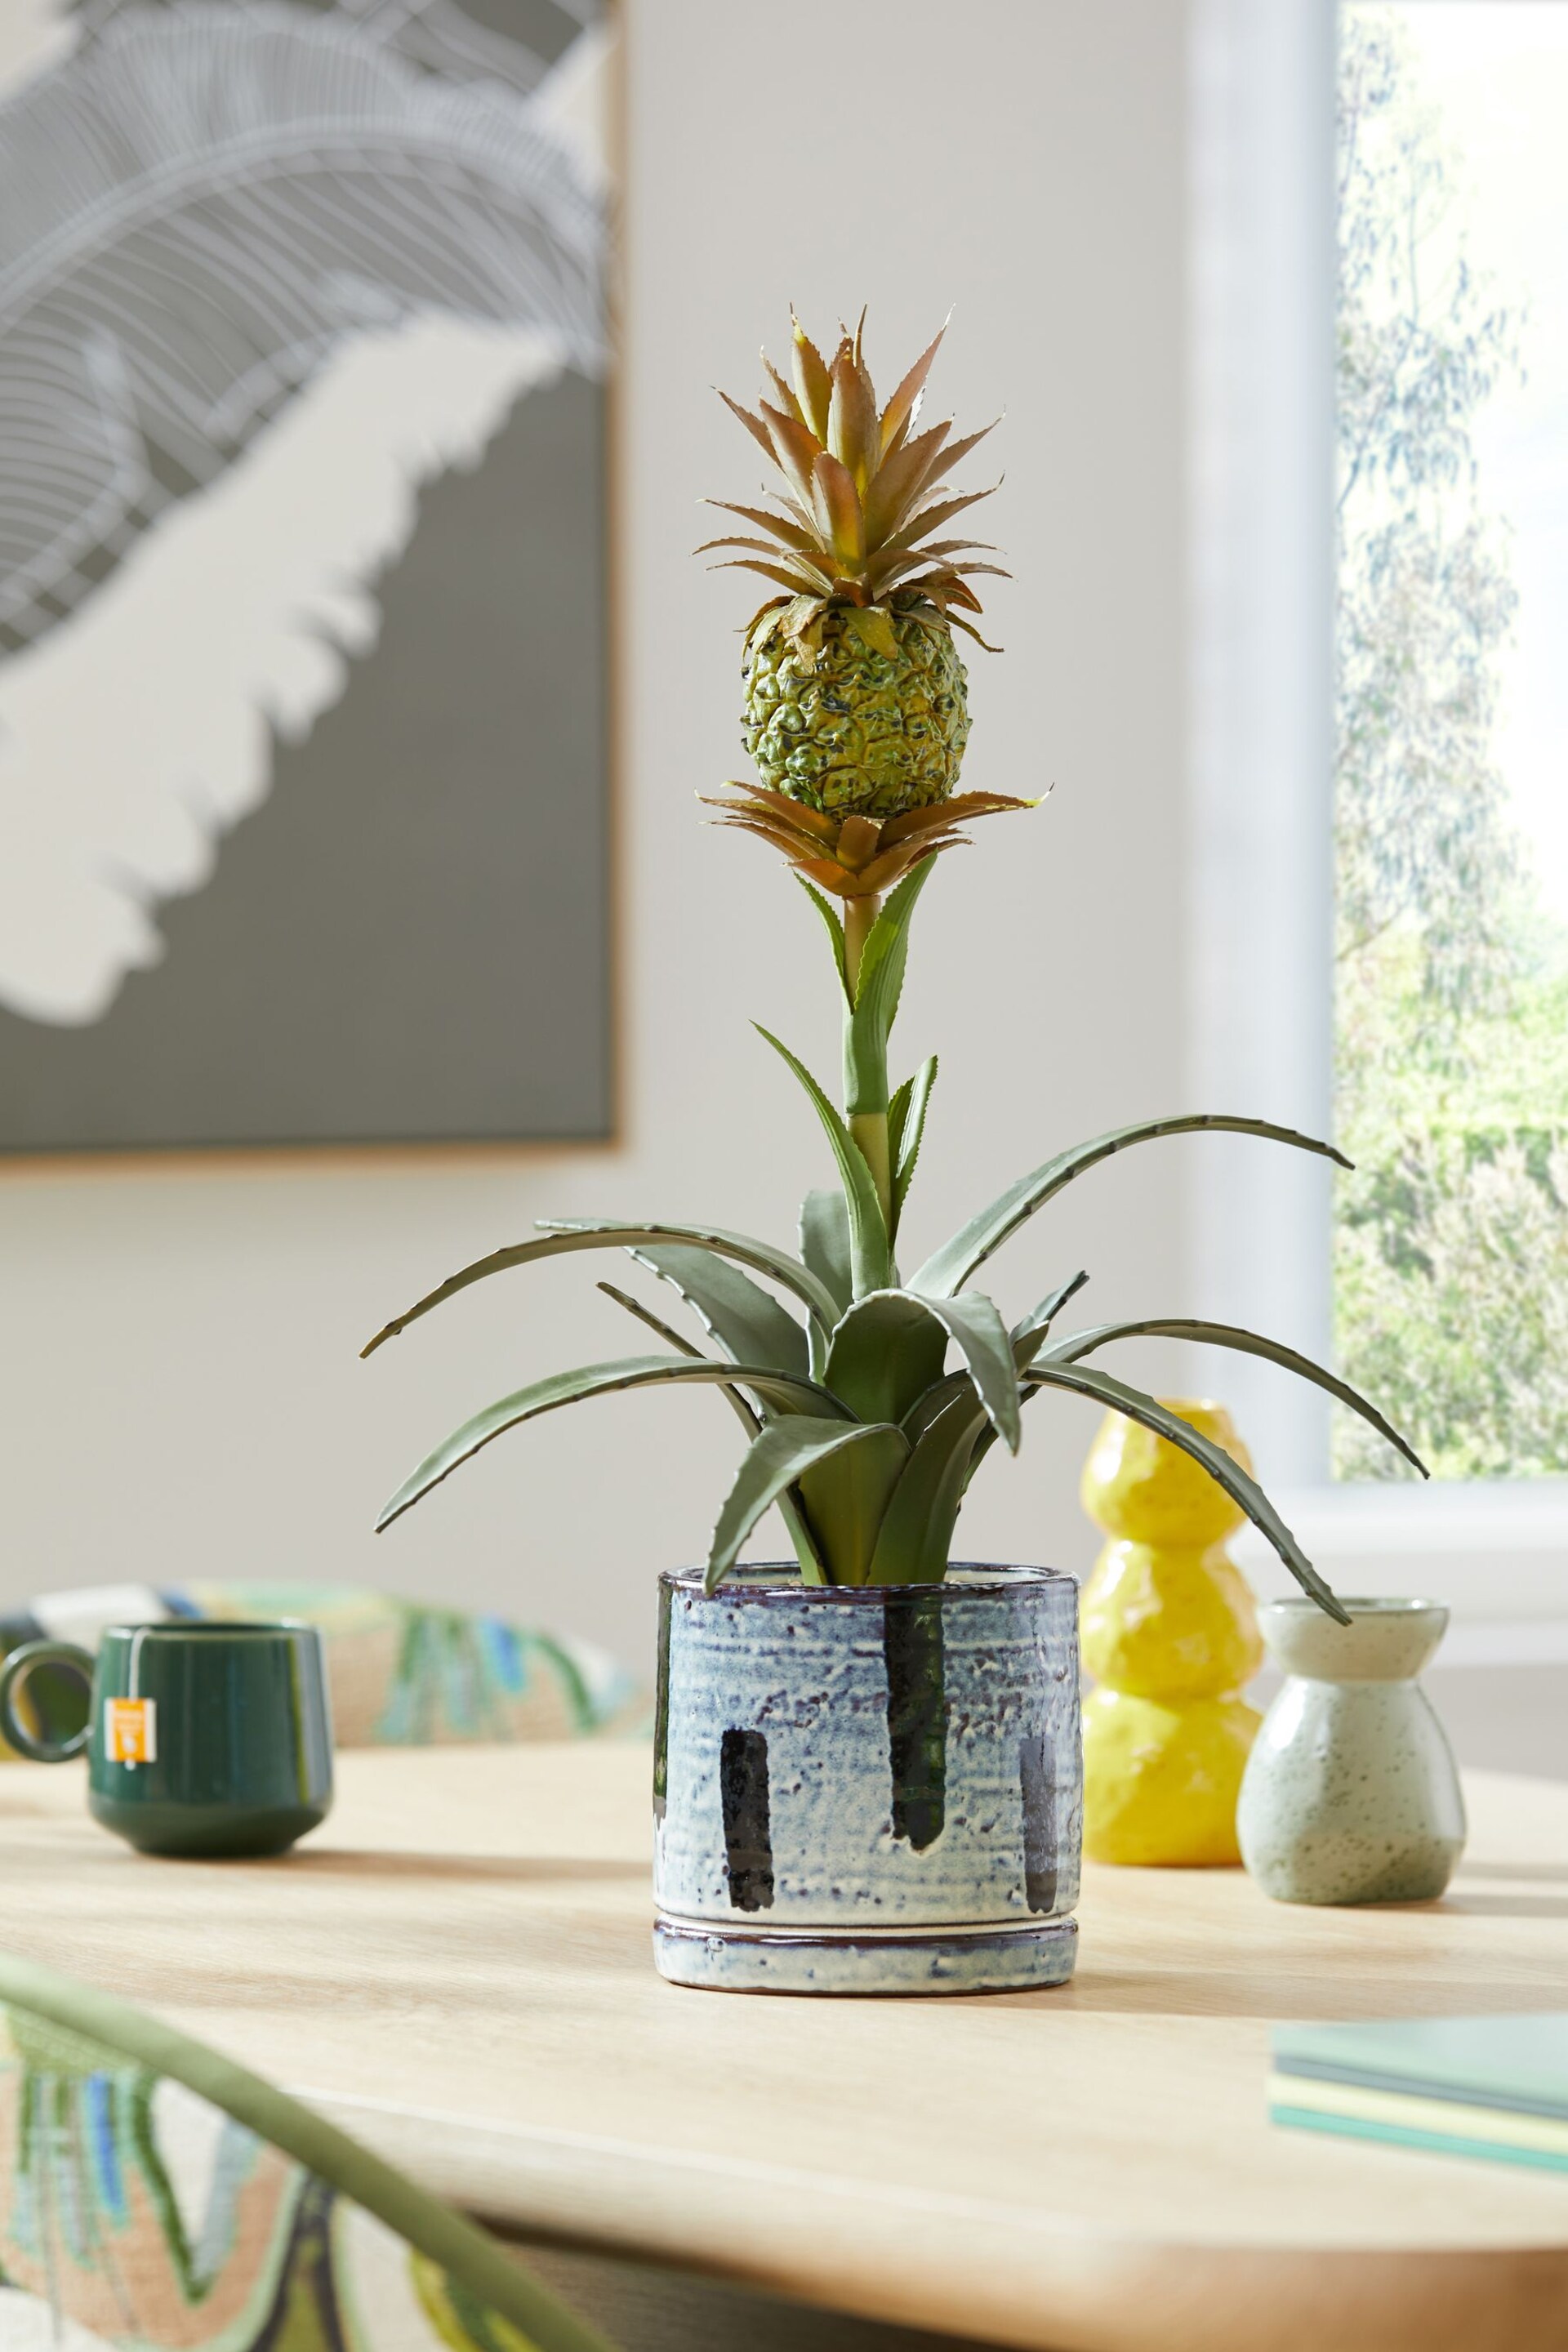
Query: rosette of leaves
pixel 868 1400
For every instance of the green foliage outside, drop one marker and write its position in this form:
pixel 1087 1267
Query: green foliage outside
pixel 1451 1239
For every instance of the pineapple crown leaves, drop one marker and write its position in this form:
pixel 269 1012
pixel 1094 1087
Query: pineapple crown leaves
pixel 857 509
pixel 856 857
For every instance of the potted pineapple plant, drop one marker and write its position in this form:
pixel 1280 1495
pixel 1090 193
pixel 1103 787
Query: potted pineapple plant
pixel 867 1774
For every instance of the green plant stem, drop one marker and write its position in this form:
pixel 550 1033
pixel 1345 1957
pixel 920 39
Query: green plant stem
pixel 869 1128
pixel 860 914
pixel 869 1131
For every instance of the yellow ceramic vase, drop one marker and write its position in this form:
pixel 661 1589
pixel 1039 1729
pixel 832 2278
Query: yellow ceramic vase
pixel 1171 1637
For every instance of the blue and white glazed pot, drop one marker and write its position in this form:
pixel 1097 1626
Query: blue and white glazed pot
pixel 868 1789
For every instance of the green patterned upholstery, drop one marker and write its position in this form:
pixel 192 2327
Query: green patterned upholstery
pixel 156 2198
pixel 402 1674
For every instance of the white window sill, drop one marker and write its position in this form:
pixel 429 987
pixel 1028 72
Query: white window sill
pixel 1496 1555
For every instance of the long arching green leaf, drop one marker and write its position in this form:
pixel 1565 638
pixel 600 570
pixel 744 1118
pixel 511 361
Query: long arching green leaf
pixel 750 1419
pixel 824 1243
pixel 949 1269
pixel 868 1247
pixel 916 1535
pixel 977 1329
pixel 1032 1328
pixel 1080 1380
pixel 1027 1336
pixel 906 1132
pixel 877 994
pixel 785 1452
pixel 747 1321
pixel 781 1390
pixel 1078 1344
pixel 592 1232
pixel 811 1564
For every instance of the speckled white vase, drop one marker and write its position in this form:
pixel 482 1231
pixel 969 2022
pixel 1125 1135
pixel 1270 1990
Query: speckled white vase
pixel 1351 1794
pixel 868 1789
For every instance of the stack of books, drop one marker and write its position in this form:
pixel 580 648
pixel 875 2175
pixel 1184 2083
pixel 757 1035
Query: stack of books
pixel 1488 2087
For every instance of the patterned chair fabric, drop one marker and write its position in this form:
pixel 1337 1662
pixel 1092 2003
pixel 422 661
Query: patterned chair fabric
pixel 156 2198
pixel 402 1676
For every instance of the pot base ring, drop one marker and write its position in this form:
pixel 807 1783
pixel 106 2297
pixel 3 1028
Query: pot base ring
pixel 931 1960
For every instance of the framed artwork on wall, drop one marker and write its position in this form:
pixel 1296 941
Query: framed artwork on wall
pixel 304 745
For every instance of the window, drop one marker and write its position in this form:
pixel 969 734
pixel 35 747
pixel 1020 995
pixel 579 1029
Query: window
pixel 1450 1253
pixel 1379 886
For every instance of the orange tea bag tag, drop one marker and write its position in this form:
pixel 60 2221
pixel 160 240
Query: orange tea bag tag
pixel 131 1730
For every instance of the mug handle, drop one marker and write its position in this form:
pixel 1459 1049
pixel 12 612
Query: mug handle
pixel 16 1668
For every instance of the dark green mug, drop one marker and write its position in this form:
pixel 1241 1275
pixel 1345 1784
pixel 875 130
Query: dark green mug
pixel 201 1737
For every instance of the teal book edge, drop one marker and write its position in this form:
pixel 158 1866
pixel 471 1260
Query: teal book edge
pixel 1402 2136
pixel 1513 2065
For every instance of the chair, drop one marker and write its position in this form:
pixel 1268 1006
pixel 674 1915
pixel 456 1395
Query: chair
pixel 400 1674
pixel 155 2197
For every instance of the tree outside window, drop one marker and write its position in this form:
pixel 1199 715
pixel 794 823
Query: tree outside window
pixel 1451 1079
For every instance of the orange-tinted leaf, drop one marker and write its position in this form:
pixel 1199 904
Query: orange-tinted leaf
pixel 813 382
pixel 932 518
pixel 858 842
pixel 758 547
pixel 837 505
pixel 799 854
pixel 795 450
pixel 896 484
pixel 956 450
pixel 899 408
pixel 774 572
pixel 886 869
pixel 791 533
pixel 753 425
pixel 951 813
pixel 829 876
pixel 885 570
pixel 852 431
pixel 955 623
pixel 944 547
pixel 798 812
pixel 787 400
pixel 962 809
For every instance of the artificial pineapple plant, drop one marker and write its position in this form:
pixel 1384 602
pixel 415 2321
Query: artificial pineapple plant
pixel 867 1398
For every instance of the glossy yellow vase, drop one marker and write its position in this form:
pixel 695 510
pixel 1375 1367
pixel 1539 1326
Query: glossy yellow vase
pixel 1171 1637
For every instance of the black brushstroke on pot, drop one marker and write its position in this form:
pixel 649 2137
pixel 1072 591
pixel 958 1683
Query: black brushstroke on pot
pixel 1039 1823
pixel 917 1713
pixel 748 1833
pixel 661 1708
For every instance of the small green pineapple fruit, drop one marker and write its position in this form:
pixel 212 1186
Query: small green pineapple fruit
pixel 856 698
pixel 834 720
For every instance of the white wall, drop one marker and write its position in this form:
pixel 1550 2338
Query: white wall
pixel 181 1390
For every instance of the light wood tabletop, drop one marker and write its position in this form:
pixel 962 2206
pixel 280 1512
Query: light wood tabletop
pixel 457 1969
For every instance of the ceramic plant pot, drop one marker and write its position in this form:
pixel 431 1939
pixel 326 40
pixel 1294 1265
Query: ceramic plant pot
pixel 1351 1794
pixel 868 1789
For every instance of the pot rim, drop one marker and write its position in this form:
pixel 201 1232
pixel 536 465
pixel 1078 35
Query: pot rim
pixel 1362 1605
pixel 758 1583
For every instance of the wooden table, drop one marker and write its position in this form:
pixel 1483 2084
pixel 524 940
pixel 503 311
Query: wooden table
pixel 457 1969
